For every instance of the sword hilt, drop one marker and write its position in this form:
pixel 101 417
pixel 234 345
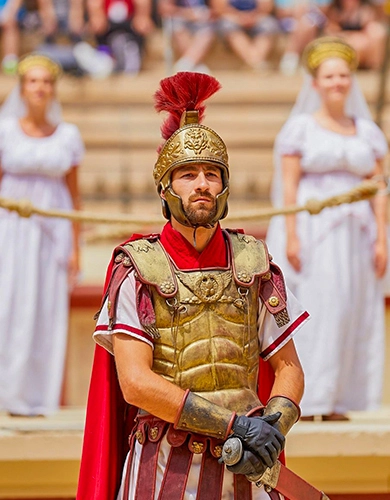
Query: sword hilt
pixel 232 451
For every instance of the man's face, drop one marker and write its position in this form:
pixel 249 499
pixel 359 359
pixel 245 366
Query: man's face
pixel 197 185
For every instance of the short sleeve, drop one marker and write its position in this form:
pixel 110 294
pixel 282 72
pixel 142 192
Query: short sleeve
pixel 290 139
pixel 77 145
pixel 126 320
pixel 376 138
pixel 273 338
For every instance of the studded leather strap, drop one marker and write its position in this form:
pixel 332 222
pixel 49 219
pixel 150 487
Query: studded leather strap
pixel 146 482
pixel 174 483
pixel 242 488
pixel 211 478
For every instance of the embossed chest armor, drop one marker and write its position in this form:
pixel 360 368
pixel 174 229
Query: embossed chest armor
pixel 206 330
pixel 208 338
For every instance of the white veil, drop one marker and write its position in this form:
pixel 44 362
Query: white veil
pixel 307 102
pixel 14 106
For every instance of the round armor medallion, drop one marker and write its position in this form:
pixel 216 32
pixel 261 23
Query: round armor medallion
pixel 209 287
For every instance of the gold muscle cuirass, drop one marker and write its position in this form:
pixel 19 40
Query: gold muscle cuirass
pixel 208 338
pixel 206 328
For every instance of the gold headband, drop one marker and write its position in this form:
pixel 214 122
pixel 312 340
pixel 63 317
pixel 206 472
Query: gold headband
pixel 324 48
pixel 34 60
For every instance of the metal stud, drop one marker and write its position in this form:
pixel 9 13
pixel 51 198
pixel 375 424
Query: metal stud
pixel 273 301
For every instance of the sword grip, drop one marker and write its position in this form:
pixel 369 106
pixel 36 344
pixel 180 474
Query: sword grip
pixel 232 451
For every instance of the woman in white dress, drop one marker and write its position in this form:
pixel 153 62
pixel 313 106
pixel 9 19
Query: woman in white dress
pixel 39 156
pixel 333 261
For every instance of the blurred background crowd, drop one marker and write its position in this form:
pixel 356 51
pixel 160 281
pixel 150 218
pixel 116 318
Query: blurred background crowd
pixel 100 37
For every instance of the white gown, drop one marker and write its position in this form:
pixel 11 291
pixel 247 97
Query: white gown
pixel 342 349
pixel 33 267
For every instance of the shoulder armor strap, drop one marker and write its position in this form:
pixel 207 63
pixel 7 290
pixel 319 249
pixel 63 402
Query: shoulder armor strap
pixel 250 260
pixel 274 296
pixel 121 267
pixel 152 265
pixel 250 257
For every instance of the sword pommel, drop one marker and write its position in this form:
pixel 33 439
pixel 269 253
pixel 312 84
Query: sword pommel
pixel 232 451
pixel 231 454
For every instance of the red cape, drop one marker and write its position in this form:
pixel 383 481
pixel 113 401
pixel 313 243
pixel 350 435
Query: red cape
pixel 109 418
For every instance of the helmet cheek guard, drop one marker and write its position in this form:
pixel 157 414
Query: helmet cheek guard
pixel 172 205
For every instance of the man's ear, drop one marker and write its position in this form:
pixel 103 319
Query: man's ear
pixel 162 194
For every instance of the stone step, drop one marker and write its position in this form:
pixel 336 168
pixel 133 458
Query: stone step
pixel 112 171
pixel 238 87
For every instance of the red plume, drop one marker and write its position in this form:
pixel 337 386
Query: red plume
pixel 184 91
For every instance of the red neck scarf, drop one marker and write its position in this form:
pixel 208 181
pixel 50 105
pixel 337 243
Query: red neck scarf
pixel 186 257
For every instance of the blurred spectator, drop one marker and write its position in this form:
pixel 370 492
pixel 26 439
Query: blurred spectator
pixel 303 21
pixel 65 29
pixel 10 35
pixel 64 38
pixel 356 21
pixel 189 26
pixel 249 27
pixel 12 14
pixel 119 27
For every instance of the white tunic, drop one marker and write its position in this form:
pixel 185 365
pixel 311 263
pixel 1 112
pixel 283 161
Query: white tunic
pixel 342 352
pixel 33 267
pixel 272 339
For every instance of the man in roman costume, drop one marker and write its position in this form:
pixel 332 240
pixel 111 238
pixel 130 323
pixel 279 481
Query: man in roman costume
pixel 186 316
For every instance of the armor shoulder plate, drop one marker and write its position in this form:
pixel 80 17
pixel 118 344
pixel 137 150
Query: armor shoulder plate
pixel 152 265
pixel 250 257
pixel 250 260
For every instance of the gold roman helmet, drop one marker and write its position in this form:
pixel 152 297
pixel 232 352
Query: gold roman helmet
pixel 327 47
pixel 33 60
pixel 187 140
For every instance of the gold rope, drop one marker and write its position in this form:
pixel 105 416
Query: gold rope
pixel 25 208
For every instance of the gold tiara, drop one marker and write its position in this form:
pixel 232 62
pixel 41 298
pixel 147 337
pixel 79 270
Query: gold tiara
pixel 317 51
pixel 34 60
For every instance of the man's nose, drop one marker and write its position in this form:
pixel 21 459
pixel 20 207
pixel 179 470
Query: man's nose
pixel 201 181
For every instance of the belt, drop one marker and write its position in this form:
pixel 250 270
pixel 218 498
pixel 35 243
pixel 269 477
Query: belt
pixel 149 432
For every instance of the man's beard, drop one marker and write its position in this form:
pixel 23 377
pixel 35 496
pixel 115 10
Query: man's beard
pixel 204 213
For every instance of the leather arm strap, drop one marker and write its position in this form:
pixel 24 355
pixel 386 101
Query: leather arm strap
pixel 197 414
pixel 288 408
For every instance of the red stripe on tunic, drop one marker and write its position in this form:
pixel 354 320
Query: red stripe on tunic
pixel 127 328
pixel 285 334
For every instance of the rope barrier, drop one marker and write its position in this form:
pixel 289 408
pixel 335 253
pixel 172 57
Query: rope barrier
pixel 367 189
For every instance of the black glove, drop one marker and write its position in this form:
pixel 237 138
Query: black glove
pixel 260 440
pixel 249 465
